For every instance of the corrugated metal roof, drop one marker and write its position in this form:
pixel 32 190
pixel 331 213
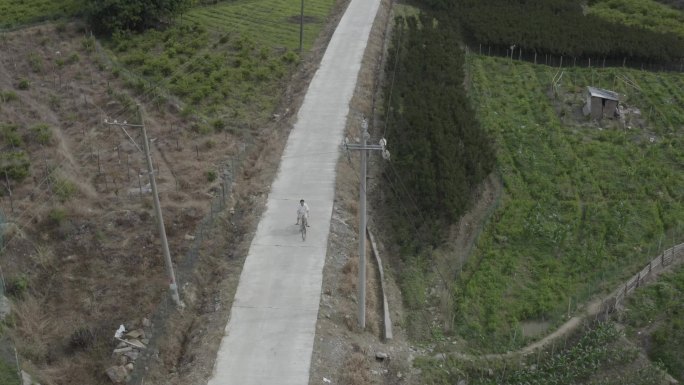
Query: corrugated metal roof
pixel 604 94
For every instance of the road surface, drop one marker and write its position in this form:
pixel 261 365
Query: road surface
pixel 270 335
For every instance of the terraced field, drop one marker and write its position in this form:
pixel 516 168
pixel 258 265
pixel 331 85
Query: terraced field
pixel 585 204
pixel 273 23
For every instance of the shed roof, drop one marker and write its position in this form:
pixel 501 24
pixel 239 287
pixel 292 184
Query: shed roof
pixel 604 94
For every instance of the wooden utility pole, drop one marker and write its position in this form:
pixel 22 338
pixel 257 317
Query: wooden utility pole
pixel 173 285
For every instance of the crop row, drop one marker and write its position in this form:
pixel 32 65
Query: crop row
pixel 271 22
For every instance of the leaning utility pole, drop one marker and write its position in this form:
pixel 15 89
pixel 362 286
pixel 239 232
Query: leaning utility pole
pixel 363 147
pixel 173 286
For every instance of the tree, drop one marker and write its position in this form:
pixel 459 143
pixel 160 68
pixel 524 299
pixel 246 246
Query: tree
pixel 110 16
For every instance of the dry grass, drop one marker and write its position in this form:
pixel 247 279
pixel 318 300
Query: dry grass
pixel 34 329
pixel 355 370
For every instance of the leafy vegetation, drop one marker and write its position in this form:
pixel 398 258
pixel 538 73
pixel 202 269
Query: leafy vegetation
pixel 597 357
pixel 8 374
pixel 269 23
pixel 647 14
pixel 584 207
pixel 18 12
pixel 112 16
pixel 225 65
pixel 560 27
pixel 439 150
pixel 656 312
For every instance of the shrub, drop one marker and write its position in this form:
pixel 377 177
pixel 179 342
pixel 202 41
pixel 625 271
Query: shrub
pixel 88 44
pixel 81 339
pixel 16 286
pixel 15 165
pixel 211 175
pixel 57 216
pixel 23 84
pixel 8 96
pixel 73 58
pixel 11 135
pixel 35 62
pixel 64 189
pixel 218 124
pixel 42 133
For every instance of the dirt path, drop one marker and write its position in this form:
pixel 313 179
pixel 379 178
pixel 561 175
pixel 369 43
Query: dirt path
pixel 592 310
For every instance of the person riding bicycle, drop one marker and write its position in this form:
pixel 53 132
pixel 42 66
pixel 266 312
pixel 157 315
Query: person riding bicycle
pixel 303 213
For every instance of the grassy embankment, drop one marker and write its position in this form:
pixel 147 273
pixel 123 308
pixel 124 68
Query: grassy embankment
pixel 585 205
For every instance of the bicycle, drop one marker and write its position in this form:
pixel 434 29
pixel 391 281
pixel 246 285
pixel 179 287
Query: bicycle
pixel 302 227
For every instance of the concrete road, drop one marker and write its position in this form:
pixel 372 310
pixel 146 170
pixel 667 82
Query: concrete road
pixel 269 337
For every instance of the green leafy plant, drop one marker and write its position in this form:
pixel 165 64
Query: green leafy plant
pixel 42 133
pixel 23 84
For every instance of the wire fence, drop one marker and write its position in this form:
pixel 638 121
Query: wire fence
pixel 552 60
pixel 652 269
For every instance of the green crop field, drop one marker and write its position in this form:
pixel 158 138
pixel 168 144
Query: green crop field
pixel 226 61
pixel 272 23
pixel 17 12
pixel 645 13
pixel 584 206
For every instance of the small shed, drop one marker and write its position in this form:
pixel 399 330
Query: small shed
pixel 601 103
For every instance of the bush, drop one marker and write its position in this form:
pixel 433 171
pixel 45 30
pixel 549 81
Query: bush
pixel 15 165
pixel 11 135
pixel 73 58
pixel 42 133
pixel 57 216
pixel 23 84
pixel 81 339
pixel 211 175
pixel 8 96
pixel 16 286
pixel 35 62
pixel 64 189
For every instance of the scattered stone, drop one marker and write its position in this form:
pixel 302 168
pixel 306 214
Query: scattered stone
pixel 117 374
pixel 133 355
pixel 145 341
pixel 189 237
pixel 137 334
pixel 122 360
pixel 129 366
pixel 380 356
pixel 146 323
pixel 462 382
pixel 136 343
pixel 123 350
pixel 26 378
pixel 399 375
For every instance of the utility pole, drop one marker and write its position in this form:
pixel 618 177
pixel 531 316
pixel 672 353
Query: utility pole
pixel 173 285
pixel 363 147
pixel 301 29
